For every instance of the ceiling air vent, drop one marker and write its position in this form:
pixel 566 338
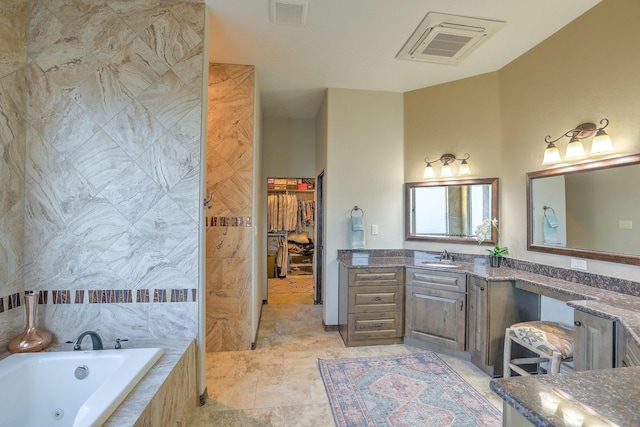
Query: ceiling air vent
pixel 447 39
pixel 288 12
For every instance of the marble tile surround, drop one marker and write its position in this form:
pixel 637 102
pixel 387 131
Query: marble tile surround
pixel 105 141
pixel 229 221
pixel 14 19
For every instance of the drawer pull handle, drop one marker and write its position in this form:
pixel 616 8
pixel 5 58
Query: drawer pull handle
pixel 482 288
pixel 577 323
pixel 377 326
pixel 377 299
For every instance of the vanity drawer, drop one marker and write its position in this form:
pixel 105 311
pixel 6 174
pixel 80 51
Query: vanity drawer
pixel 441 280
pixel 375 298
pixel 371 326
pixel 376 276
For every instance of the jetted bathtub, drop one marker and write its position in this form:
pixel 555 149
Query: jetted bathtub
pixel 69 388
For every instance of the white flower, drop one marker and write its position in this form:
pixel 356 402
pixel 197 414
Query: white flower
pixel 483 231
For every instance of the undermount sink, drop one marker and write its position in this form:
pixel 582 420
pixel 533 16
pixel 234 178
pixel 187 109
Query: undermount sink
pixel 440 264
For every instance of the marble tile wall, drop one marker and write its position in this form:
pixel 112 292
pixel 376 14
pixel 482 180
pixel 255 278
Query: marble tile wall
pixel 112 163
pixel 14 18
pixel 229 223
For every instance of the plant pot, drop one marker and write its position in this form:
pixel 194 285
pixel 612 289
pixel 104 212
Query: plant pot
pixel 495 260
pixel 31 339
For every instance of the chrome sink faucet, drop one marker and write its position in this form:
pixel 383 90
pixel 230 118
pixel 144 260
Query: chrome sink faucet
pixel 446 256
pixel 95 339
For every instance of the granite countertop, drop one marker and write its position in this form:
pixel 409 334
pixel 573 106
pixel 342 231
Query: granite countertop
pixel 605 397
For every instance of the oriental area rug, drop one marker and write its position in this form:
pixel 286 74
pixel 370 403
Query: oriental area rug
pixel 403 390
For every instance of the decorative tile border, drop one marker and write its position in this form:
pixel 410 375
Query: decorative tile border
pixel 105 296
pixel 228 221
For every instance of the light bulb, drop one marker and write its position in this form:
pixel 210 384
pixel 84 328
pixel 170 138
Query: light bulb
pixel 551 155
pixel 575 150
pixel 464 169
pixel 446 170
pixel 601 143
pixel 428 171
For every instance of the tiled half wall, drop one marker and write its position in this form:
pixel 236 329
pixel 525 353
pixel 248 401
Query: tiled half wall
pixel 229 222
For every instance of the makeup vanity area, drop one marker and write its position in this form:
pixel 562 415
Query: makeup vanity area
pixel 402 296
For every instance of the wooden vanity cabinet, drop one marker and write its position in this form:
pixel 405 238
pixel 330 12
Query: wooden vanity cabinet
pixel 370 308
pixel 593 342
pixel 493 307
pixel 627 351
pixel 435 309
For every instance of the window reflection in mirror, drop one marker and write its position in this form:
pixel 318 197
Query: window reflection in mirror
pixel 449 210
pixel 591 210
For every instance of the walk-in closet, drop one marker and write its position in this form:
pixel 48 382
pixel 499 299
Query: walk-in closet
pixel 290 227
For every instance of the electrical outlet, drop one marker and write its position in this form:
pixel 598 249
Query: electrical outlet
pixel 579 264
pixel 374 229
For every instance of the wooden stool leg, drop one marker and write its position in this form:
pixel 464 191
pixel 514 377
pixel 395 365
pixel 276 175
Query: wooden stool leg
pixel 506 372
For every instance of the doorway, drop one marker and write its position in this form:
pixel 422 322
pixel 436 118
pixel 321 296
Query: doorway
pixel 291 229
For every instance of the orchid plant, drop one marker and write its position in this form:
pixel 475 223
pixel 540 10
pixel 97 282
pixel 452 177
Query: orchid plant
pixel 483 232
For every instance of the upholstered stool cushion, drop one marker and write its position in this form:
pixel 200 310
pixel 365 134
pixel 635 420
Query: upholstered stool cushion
pixel 545 336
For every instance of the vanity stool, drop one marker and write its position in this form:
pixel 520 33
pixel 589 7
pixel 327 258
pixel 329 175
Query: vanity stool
pixel 551 341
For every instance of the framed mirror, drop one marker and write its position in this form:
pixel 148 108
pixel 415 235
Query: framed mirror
pixel 450 211
pixel 589 210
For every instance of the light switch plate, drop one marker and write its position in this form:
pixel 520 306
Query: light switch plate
pixel 579 264
pixel 625 225
pixel 374 229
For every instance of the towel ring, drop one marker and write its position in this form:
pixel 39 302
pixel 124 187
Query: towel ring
pixel 548 207
pixel 356 208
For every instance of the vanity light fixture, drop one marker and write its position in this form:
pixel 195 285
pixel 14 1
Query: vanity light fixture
pixel 575 150
pixel 446 171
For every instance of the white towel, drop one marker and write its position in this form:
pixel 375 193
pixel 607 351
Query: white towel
pixel 550 230
pixel 357 232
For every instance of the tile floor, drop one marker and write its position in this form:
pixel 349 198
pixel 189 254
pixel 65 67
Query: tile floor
pixel 278 383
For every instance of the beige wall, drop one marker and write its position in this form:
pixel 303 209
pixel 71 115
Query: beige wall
pixel 459 117
pixel 364 167
pixel 582 73
pixel 289 148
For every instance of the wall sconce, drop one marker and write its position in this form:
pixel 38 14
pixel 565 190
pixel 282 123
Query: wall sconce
pixel 446 171
pixel 575 150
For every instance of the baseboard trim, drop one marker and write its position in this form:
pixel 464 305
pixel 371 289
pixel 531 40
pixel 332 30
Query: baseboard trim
pixel 203 397
pixel 330 328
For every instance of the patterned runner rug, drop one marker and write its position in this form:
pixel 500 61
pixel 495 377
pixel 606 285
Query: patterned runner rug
pixel 404 390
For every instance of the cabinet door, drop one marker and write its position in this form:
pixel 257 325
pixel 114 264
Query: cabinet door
pixel 436 317
pixel 593 342
pixel 627 351
pixel 477 321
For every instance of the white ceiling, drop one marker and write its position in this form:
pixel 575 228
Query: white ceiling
pixel 353 43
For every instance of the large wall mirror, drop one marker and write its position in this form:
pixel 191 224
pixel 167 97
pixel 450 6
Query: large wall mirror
pixel 450 210
pixel 589 210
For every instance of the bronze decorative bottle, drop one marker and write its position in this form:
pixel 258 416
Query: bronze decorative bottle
pixel 31 339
